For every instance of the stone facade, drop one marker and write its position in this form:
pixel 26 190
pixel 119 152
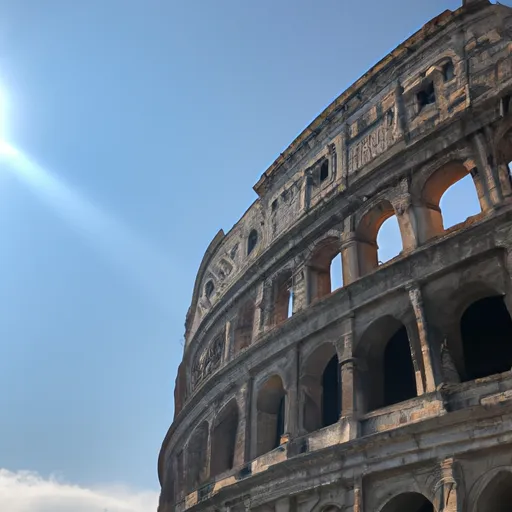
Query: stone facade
pixel 393 392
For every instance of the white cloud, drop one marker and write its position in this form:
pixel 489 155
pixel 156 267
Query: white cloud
pixel 26 491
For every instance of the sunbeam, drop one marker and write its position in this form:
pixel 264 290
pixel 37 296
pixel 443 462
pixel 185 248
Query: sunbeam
pixel 107 235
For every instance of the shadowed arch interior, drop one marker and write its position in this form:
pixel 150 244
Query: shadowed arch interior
pixel 270 411
pixel 497 495
pixel 409 502
pixel 244 326
pixel 321 388
pixel 224 439
pixel 486 331
pixel 389 376
pixel 197 449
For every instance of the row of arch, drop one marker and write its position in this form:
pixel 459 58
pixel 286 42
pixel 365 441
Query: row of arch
pixel 386 377
pixel 327 265
pixel 495 497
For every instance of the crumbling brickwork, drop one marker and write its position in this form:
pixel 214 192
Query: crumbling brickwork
pixel 393 392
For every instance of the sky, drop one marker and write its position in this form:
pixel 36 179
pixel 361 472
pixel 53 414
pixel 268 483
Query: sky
pixel 132 131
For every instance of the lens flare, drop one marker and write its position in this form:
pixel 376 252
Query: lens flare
pixel 106 234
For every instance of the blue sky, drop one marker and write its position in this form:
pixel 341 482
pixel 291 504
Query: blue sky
pixel 140 129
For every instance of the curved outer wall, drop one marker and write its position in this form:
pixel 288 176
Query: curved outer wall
pixel 394 391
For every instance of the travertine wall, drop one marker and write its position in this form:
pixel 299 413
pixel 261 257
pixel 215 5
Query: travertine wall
pixel 413 355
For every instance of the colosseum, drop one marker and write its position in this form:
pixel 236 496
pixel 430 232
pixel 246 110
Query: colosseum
pixel 394 391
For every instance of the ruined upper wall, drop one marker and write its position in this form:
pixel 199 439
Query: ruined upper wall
pixel 374 120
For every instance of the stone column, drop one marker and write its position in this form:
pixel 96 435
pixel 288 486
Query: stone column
pixel 229 340
pixel 407 222
pixel 349 257
pixel 247 412
pixel 416 298
pixel 347 381
pixel 358 495
pixel 291 426
pixel 300 289
pixel 490 180
pixel 242 438
pixel 446 489
pixel 344 158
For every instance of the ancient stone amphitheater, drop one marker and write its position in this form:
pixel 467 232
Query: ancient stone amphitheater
pixel 393 392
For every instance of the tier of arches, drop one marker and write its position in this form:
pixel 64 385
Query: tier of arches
pixel 388 371
pixel 342 257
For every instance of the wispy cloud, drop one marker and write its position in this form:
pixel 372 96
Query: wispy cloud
pixel 25 491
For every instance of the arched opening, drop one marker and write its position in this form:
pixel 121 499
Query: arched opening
pixel 336 272
pixel 399 378
pixel 486 331
pixel 252 240
pixel 224 440
pixel 409 502
pixel 369 228
pixel 209 288
pixel 244 326
pixel 389 240
pixel 322 266
pixel 270 420
pixel 459 202
pixel 197 448
pixel 450 196
pixel 389 376
pixel 497 496
pixel 283 297
pixel 321 388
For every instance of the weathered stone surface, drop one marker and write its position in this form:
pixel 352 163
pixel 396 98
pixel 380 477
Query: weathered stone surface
pixel 393 392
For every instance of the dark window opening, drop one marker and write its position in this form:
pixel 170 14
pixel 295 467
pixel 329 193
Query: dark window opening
pixel 252 240
pixel 274 205
pixel 486 329
pixel 331 396
pixel 448 71
pixel 280 423
pixel 426 96
pixel 209 289
pixel 399 377
pixel 324 171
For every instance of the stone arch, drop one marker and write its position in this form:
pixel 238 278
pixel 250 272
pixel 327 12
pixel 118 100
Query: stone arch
pixel 408 502
pixel 497 495
pixel 367 231
pixel 321 388
pixel 320 262
pixel 389 376
pixel 270 415
pixel 244 326
pixel 476 330
pixel 225 430
pixel 197 457
pixel 430 216
pixel 490 482
pixel 282 294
